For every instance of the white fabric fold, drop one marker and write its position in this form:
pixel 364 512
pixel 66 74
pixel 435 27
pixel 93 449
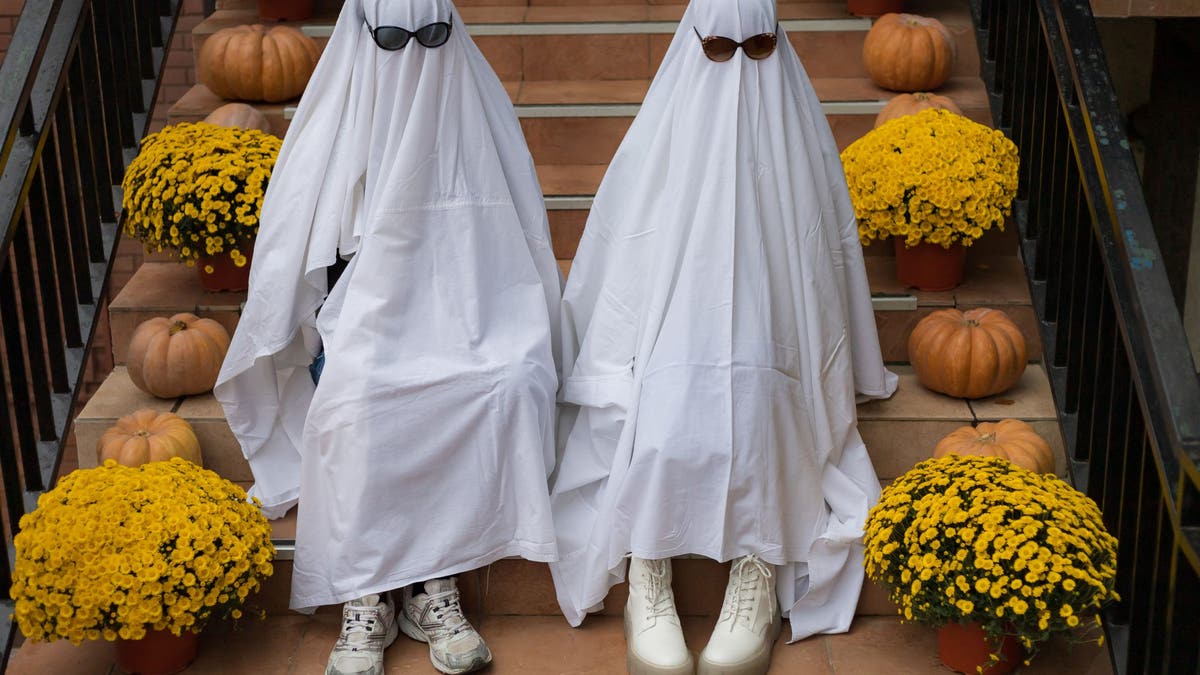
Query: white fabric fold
pixel 427 446
pixel 717 325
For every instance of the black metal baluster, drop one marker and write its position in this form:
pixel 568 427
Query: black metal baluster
pixel 75 199
pixel 42 266
pixel 87 161
pixel 117 107
pixel 23 367
pixel 64 245
pixel 41 411
pixel 13 438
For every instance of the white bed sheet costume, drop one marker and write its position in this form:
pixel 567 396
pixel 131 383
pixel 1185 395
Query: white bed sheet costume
pixel 717 324
pixel 427 447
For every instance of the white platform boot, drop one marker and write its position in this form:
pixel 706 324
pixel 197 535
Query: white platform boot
pixel 750 622
pixel 653 636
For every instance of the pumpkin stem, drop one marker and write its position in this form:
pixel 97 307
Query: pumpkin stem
pixel 177 327
pixel 142 433
pixel 987 438
pixel 972 323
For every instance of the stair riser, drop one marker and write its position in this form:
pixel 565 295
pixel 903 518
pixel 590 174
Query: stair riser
pixel 637 56
pixel 894 328
pixel 218 446
pixel 516 587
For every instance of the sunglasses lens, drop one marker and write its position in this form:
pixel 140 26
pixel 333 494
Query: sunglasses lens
pixel 719 48
pixel 434 35
pixel 391 37
pixel 759 46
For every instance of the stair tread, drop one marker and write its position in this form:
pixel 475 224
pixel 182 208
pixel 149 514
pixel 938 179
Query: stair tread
pixel 544 645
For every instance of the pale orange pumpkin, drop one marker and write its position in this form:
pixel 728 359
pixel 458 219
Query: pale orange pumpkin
pixel 911 104
pixel 241 116
pixel 253 63
pixel 970 354
pixel 179 356
pixel 1013 440
pixel 907 52
pixel 149 436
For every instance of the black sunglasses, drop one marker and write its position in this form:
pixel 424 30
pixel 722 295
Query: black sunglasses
pixel 394 38
pixel 718 48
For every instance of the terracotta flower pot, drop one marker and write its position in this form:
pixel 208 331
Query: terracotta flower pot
pixel 874 7
pixel 930 267
pixel 225 275
pixel 964 647
pixel 159 653
pixel 284 10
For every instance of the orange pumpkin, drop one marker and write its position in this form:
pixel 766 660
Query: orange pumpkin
pixel 150 436
pixel 906 52
pixel 179 356
pixel 911 104
pixel 253 63
pixel 239 115
pixel 1013 440
pixel 970 354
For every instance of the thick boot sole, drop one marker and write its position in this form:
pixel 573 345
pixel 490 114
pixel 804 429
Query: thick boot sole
pixel 639 667
pixel 412 630
pixel 757 664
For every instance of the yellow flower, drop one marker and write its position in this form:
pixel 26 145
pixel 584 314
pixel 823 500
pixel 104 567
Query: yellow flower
pixel 933 176
pixel 106 553
pixel 975 536
pixel 185 180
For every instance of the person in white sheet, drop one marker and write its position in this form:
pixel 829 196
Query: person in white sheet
pixel 717 324
pixel 426 448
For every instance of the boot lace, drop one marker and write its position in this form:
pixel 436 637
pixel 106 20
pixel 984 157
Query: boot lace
pixel 659 603
pixel 747 576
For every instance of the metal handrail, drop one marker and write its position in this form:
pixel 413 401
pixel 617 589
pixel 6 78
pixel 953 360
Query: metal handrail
pixel 1123 380
pixel 76 87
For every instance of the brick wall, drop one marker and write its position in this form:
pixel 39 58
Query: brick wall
pixel 9 11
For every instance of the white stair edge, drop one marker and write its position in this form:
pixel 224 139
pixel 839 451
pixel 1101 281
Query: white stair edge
pixel 870 107
pixel 619 27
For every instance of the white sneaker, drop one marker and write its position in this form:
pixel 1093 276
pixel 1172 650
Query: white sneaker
pixel 436 617
pixel 653 637
pixel 368 628
pixel 750 622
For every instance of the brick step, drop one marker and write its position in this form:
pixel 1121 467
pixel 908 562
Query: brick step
pixel 299 645
pixel 618 42
pixel 166 288
pixel 583 121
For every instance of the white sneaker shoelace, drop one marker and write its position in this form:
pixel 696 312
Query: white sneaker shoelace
pixel 747 576
pixel 359 628
pixel 446 612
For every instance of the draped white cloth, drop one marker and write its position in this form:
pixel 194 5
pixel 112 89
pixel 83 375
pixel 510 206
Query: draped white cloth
pixel 716 325
pixel 426 449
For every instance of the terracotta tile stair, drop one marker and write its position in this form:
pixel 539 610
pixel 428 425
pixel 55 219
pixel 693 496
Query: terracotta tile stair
pixel 576 70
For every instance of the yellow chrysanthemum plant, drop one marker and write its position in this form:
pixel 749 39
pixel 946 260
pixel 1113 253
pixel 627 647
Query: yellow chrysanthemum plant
pixel 196 189
pixel 116 551
pixel 933 177
pixel 979 539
